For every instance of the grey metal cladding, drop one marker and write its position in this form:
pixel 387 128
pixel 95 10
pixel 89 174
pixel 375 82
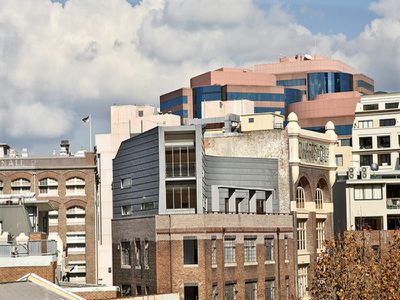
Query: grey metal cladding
pixel 138 159
pixel 241 172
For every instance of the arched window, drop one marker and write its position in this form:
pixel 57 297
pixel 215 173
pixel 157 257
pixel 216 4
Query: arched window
pixel 1 187
pixel 319 198
pixel 75 186
pixel 20 186
pixel 300 197
pixel 76 215
pixel 48 186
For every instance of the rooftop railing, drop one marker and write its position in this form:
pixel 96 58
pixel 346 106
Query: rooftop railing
pixel 32 248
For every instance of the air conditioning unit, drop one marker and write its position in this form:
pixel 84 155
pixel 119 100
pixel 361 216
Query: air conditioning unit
pixel 353 173
pixel 365 172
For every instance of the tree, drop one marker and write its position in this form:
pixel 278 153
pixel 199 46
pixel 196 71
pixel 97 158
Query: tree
pixel 361 265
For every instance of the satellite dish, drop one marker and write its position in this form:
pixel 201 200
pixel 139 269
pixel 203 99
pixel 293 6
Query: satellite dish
pixel 374 167
pixel 307 57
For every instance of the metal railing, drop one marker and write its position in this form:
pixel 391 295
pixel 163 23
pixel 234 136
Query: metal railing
pixel 393 203
pixel 180 170
pixel 32 248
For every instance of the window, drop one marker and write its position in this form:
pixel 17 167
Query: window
pixel 77 271
pixel 20 186
pixel 180 161
pixel 76 242
pixel 191 292
pixel 345 142
pixel 140 113
pixel 300 197
pixel 250 251
pixel 285 248
pixel 76 215
pixel 215 292
pixel 126 290
pixel 393 191
pixel 393 222
pixel 365 160
pixel 372 223
pixel 251 290
pixel 181 195
pixel 53 217
pixel 229 250
pixel 138 264
pixel 391 105
pixel 365 142
pixel 320 234
pixel 125 254
pixel 287 295
pixel 368 192
pixel 126 183
pixel 230 291
pixel 269 249
pixel 301 234
pixel 270 289
pixel 1 187
pixel 370 106
pixel 147 205
pixel 75 186
pixel 190 256
pixel 319 198
pixel 387 122
pixel 384 141
pixel 48 186
pixel 302 281
pixel 214 252
pixel 138 290
pixel 146 255
pixel 126 210
pixel 251 120
pixel 384 159
pixel 339 160
pixel 365 124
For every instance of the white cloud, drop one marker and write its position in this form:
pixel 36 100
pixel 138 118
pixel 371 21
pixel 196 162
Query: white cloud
pixel 63 62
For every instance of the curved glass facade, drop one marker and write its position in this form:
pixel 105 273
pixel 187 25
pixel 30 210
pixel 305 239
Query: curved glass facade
pixel 293 95
pixel 328 82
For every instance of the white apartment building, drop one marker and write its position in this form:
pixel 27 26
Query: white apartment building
pixel 373 185
pixel 126 121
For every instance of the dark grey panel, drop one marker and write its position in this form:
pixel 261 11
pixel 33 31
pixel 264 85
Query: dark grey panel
pixel 138 159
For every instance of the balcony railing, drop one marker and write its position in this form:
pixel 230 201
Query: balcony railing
pixel 180 170
pixel 393 203
pixel 32 248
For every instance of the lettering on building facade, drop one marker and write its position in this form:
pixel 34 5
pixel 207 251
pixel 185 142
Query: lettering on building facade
pixel 313 152
pixel 12 163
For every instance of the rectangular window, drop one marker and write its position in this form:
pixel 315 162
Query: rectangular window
pixel 181 195
pixel 215 292
pixel 370 107
pixel 140 113
pixel 126 210
pixel 368 192
pixel 251 290
pixel 302 281
pixel 384 159
pixel 384 141
pixel 125 254
pixel 365 160
pixel 126 183
pixel 214 252
pixel 339 160
pixel 147 205
pixel 301 234
pixel 345 142
pixel 391 105
pixel 365 124
pixel 190 256
pixel 230 291
pixel 365 142
pixel 251 120
pixel 191 292
pixel 270 289
pixel 387 122
pixel 138 264
pixel 286 248
pixel 371 223
pixel 320 234
pixel 180 161
pixel 126 290
pixel 287 295
pixel 146 255
pixel 250 255
pixel 269 249
pixel 229 251
pixel 138 290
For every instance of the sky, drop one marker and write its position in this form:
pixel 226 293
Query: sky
pixel 61 60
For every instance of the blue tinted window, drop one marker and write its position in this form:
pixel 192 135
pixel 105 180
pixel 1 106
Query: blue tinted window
pixel 328 82
pixel 291 82
pixel 255 96
pixel 365 85
pixel 205 93
pixel 183 113
pixel 173 102
pixel 293 95
pixel 339 129
pixel 269 109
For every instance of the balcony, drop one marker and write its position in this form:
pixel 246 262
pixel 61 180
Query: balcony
pixel 32 248
pixel 393 203
pixel 180 170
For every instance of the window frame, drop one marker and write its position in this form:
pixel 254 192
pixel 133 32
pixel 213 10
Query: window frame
pixel 229 250
pixel 301 234
pixel 250 250
pixel 125 254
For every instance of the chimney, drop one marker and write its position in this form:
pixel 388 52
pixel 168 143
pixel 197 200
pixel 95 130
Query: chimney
pixel 64 147
pixel 24 152
pixel 4 150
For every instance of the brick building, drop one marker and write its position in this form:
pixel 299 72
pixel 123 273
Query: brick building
pixel 59 193
pixel 199 225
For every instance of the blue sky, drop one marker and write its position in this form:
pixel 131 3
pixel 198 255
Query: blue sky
pixel 58 63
